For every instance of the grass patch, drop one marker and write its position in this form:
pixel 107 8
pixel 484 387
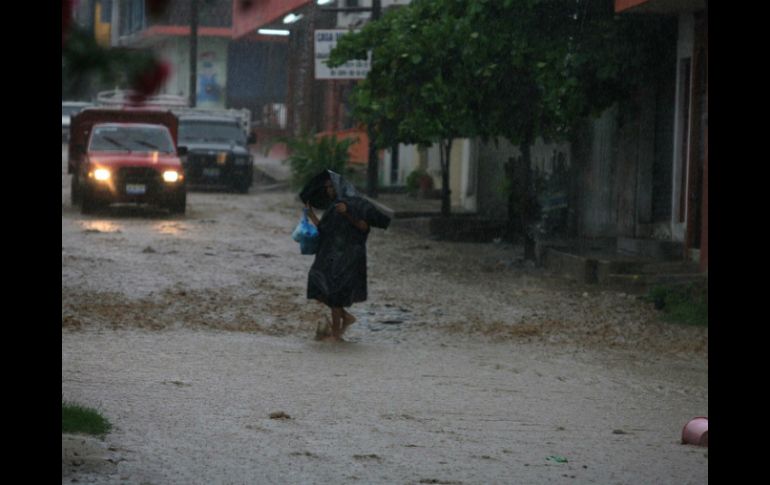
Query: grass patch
pixel 81 419
pixel 687 304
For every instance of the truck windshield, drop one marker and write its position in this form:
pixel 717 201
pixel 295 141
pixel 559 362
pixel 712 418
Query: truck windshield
pixel 215 131
pixel 131 139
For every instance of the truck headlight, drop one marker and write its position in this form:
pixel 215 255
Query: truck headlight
pixel 171 176
pixel 102 174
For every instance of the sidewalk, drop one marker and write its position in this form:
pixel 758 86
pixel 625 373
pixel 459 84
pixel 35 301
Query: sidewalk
pixel 611 263
pixel 271 166
pixel 397 205
pixel 404 205
pixel 600 262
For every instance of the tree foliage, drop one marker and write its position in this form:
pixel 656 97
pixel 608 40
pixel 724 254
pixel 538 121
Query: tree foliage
pixel 312 154
pixel 499 68
pixel 88 67
pixel 410 95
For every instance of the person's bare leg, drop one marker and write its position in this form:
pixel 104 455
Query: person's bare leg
pixel 323 329
pixel 336 326
pixel 347 320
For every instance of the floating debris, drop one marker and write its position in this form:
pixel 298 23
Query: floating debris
pixel 557 459
pixel 279 415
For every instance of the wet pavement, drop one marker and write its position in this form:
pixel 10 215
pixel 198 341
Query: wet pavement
pixel 466 364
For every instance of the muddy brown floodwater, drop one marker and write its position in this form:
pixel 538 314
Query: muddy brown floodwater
pixel 193 336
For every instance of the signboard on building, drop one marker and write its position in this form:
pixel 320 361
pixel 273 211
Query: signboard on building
pixel 325 40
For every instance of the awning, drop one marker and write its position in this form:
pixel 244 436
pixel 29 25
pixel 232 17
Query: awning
pixel 659 6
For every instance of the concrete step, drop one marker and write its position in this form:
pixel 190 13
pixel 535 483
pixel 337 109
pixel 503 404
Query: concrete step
pixel 420 225
pixel 606 268
pixel 614 269
pixel 572 266
pixel 642 282
pixel 457 228
pixel 466 228
pixel 671 267
pixel 651 248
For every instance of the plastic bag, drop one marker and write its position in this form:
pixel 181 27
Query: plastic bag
pixel 306 234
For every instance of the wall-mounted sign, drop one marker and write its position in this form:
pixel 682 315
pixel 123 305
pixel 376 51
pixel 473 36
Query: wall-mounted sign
pixel 325 40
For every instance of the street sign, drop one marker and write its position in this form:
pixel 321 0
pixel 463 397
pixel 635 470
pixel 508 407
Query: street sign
pixel 325 41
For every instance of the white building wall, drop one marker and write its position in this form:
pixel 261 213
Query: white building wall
pixel 469 185
pixel 464 166
pixel 684 50
pixel 212 66
pixel 358 19
pixel 408 161
pixel 462 170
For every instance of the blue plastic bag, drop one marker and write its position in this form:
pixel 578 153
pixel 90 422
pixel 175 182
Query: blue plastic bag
pixel 306 234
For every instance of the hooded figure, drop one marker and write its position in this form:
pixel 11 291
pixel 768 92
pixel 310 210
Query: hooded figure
pixel 337 277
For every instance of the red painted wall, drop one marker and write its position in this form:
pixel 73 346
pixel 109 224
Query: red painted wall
pixel 184 31
pixel 621 5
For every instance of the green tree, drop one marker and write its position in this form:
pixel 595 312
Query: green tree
pixel 500 68
pixel 549 65
pixel 410 95
pixel 312 154
pixel 88 67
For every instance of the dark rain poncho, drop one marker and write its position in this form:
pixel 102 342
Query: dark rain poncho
pixel 338 274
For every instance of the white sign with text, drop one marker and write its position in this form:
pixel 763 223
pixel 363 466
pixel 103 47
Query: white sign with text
pixel 325 41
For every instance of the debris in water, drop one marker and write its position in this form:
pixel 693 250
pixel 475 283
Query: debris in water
pixel 557 459
pixel 367 457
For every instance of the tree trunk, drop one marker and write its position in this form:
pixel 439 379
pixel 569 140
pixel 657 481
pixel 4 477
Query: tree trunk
pixel 193 53
pixel 445 147
pixel 513 229
pixel 527 196
pixel 372 167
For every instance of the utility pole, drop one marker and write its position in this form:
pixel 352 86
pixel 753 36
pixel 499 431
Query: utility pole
pixel 373 169
pixel 193 52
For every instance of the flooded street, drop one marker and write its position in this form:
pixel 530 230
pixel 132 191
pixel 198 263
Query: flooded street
pixel 466 365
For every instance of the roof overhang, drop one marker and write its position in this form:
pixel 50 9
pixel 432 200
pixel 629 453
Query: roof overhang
pixel 184 31
pixel 156 33
pixel 659 6
pixel 248 17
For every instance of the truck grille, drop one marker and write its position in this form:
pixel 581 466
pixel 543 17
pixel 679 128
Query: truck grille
pixel 201 161
pixel 205 161
pixel 139 175
pixel 203 167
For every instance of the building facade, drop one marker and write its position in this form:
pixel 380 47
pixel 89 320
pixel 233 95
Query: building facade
pixel 247 71
pixel 678 123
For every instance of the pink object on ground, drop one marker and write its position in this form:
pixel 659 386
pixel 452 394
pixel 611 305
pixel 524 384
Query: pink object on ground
pixel 696 432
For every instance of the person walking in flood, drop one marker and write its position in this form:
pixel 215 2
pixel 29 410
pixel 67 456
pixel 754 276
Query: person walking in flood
pixel 337 277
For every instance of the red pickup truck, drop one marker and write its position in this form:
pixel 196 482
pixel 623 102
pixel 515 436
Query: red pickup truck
pixel 126 155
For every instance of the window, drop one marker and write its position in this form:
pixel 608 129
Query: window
pixel 111 138
pixel 132 16
pixel 106 9
pixel 194 130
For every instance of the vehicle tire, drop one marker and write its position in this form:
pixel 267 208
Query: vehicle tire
pixel 241 187
pixel 76 196
pixel 179 204
pixel 87 203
